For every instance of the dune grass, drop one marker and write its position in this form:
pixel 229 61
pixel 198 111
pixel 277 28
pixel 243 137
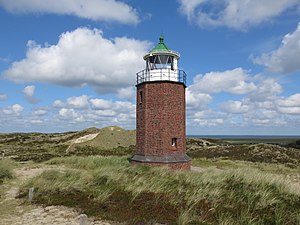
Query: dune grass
pixel 110 188
pixel 225 164
pixel 6 167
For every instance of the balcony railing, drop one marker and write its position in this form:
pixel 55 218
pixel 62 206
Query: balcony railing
pixel 161 75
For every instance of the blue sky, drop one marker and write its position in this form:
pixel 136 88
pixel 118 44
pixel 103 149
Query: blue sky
pixel 68 65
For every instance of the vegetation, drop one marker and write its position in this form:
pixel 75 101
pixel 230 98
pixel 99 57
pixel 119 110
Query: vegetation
pixel 295 144
pixel 40 147
pixel 238 181
pixel 108 187
pixel 6 167
pixel 110 138
pixel 262 152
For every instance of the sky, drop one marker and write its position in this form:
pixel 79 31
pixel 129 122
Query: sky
pixel 69 65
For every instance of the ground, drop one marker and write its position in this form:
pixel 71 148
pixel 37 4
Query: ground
pixel 279 160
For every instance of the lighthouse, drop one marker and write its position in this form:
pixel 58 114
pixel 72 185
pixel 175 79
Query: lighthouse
pixel 160 111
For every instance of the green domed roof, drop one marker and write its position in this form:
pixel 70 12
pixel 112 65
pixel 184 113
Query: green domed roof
pixel 161 46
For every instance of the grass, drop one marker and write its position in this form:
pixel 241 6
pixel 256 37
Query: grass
pixel 39 147
pixel 225 164
pixel 263 153
pixel 110 188
pixel 6 167
pixel 110 138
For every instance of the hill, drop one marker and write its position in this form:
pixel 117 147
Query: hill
pixel 260 152
pixel 110 137
pixel 108 141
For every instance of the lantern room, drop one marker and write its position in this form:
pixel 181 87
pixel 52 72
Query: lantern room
pixel 161 64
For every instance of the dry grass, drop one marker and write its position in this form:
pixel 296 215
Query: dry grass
pixel 110 188
pixel 6 167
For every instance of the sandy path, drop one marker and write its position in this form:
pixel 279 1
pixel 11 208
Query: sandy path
pixel 82 139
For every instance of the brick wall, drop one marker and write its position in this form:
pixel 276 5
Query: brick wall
pixel 160 117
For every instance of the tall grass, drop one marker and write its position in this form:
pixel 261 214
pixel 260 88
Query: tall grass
pixel 109 187
pixel 6 167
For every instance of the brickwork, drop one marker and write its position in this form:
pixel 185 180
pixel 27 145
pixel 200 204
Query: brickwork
pixel 161 118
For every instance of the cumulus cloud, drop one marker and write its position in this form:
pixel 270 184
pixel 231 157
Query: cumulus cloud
pixel 196 100
pixel 3 97
pixel 40 112
pixel 125 93
pixel 289 105
pixel 286 58
pixel 98 10
pixel 208 118
pixel 69 114
pixel 234 14
pixel 15 109
pixel 256 101
pixel 84 109
pixel 235 107
pixel 101 103
pixel 236 81
pixel 58 104
pixel 267 89
pixel 28 92
pixel 79 102
pixel 82 57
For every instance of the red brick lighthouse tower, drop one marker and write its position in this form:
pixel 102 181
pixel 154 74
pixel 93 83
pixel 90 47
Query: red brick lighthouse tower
pixel 160 110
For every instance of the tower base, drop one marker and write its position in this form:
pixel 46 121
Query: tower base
pixel 173 162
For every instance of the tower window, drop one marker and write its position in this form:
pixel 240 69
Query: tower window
pixel 174 142
pixel 141 97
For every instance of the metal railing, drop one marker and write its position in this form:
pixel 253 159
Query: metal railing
pixel 161 75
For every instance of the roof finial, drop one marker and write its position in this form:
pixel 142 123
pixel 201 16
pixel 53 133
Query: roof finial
pixel 161 39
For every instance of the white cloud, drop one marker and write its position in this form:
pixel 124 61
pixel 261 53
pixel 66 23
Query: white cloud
pixel 40 112
pixel 93 111
pixel 207 118
pixel 15 109
pixel 289 105
pixel 125 93
pixel 79 102
pixel 196 100
pixel 35 121
pixel 101 103
pixel 267 89
pixel 291 101
pixel 123 106
pixel 28 91
pixel 58 104
pixel 98 10
pixel 234 81
pixel 256 103
pixel 67 113
pixel 82 57
pixel 286 58
pixel 3 97
pixel 234 14
pixel 235 107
